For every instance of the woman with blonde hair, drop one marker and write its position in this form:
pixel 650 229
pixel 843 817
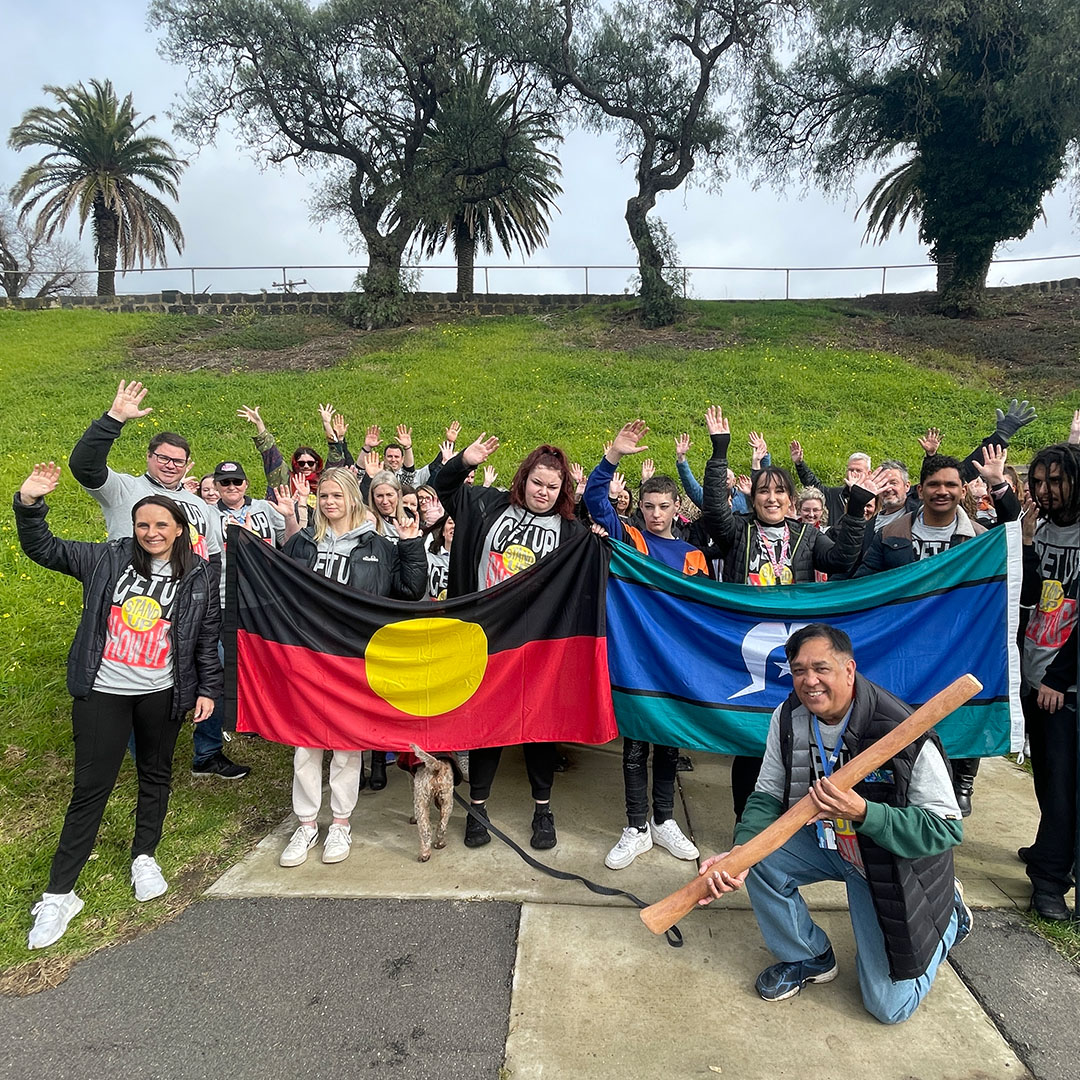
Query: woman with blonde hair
pixel 343 545
pixel 384 502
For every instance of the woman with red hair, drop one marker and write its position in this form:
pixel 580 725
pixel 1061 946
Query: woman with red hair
pixel 497 534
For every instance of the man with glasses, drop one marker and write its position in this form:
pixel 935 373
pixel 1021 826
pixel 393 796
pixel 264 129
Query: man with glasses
pixel 168 459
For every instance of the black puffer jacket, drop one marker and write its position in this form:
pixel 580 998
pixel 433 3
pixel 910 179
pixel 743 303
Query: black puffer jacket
pixel 811 549
pixel 196 616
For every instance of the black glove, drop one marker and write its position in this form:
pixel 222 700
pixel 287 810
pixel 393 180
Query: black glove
pixel 1009 423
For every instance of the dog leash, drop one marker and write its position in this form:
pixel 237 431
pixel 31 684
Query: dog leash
pixel 674 937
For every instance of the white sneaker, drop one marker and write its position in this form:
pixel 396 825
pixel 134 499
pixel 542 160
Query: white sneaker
pixel 338 842
pixel 303 840
pixel 670 837
pixel 147 878
pixel 53 913
pixel 631 844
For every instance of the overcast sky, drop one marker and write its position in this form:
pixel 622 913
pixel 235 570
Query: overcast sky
pixel 234 214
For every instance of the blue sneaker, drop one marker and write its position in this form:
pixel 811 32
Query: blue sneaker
pixel 964 918
pixel 785 980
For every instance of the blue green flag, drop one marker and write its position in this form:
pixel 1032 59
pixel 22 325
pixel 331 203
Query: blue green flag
pixel 700 664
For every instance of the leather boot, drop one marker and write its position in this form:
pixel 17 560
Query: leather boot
pixel 963 784
pixel 378 770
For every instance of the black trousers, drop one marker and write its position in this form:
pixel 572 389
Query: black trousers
pixel 635 770
pixel 1052 737
pixel 101 726
pixel 540 761
pixel 744 774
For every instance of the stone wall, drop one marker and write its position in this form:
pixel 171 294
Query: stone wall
pixel 313 303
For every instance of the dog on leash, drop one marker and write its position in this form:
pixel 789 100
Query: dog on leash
pixel 433 779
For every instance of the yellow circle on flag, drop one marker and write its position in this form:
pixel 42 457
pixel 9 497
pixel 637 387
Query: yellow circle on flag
pixel 426 667
pixel 140 613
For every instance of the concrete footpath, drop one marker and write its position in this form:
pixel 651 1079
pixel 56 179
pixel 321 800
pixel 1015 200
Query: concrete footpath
pixel 382 963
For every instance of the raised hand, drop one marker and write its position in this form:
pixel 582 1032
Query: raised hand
pixel 992 466
pixel 490 476
pixel 42 481
pixel 446 451
pixel 301 486
pixel 744 484
pixel 372 462
pixel 478 452
pixel 327 413
pixel 190 484
pixel 371 438
pixel 282 501
pixel 404 436
pixel 759 448
pixel 796 451
pixel 1074 429
pixel 452 432
pixel 128 401
pixel 716 423
pixel 626 441
pixel 931 441
pixel 577 473
pixel 617 486
pixel 408 528
pixel 1018 415
pixel 869 483
pixel 340 427
pixel 682 446
pixel 252 416
pixel 648 469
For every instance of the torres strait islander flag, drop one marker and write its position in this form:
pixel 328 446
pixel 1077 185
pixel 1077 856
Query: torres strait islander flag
pixel 312 663
pixel 700 664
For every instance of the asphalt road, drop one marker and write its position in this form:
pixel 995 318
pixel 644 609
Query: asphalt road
pixel 280 988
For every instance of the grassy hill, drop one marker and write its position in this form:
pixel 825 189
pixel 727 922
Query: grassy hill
pixel 838 376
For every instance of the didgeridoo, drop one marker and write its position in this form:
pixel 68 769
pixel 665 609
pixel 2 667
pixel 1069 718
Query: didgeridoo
pixel 664 914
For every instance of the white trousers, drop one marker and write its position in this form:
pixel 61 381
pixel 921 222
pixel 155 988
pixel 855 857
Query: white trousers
pixel 345 768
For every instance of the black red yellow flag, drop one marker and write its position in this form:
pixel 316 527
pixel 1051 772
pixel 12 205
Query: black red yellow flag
pixel 310 662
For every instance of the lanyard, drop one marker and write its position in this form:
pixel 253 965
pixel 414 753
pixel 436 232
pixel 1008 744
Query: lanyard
pixel 777 563
pixel 828 761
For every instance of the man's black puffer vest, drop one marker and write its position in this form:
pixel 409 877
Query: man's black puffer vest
pixel 913 898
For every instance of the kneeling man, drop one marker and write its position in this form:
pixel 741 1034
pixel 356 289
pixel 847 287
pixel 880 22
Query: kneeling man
pixel 889 840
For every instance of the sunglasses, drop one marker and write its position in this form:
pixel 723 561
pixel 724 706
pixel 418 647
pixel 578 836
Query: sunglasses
pixel 307 463
pixel 176 463
pixel 233 482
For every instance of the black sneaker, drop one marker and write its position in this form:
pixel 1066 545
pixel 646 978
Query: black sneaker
pixel 781 981
pixel 543 826
pixel 1024 855
pixel 221 767
pixel 476 834
pixel 684 763
pixel 1048 905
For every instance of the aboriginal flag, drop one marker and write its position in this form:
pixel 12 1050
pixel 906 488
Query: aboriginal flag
pixel 310 662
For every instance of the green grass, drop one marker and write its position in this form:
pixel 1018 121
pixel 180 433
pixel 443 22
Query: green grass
pixel 526 380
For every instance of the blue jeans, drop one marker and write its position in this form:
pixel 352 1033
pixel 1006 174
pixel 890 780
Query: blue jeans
pixel 207 739
pixel 791 934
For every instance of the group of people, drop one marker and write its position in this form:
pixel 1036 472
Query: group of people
pixel 148 649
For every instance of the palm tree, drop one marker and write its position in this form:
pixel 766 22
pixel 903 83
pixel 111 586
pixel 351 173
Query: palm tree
pixel 488 176
pixel 97 155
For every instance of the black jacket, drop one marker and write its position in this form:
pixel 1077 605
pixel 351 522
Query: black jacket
pixel 375 565
pixel 474 510
pixel 196 616
pixel 892 546
pixel 811 549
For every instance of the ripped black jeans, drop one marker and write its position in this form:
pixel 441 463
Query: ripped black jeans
pixel 635 767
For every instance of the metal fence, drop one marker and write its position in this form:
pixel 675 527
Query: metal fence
pixel 705 282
